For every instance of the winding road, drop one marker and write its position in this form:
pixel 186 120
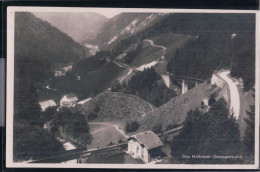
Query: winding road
pixel 157 46
pixel 130 70
pixel 150 64
pixel 147 65
pixel 234 93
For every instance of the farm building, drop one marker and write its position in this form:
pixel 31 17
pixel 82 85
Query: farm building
pixel 69 100
pixel 62 71
pixel 144 145
pixel 48 103
pixel 59 73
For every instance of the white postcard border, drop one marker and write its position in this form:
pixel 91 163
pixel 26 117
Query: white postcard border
pixel 10 91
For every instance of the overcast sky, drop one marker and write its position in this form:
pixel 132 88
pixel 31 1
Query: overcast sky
pixel 109 13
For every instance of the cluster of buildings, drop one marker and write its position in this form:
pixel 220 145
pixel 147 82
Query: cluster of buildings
pixel 68 100
pixel 145 146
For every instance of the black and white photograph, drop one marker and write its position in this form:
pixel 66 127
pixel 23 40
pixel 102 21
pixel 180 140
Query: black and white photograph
pixel 132 88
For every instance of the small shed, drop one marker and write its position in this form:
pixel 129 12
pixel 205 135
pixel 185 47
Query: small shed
pixel 144 145
pixel 69 100
pixel 48 103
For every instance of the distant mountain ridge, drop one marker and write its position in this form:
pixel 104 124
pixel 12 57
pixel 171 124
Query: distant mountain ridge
pixel 81 26
pixel 40 47
pixel 122 26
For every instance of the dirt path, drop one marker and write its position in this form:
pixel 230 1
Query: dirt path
pixel 110 125
pixel 100 129
pixel 234 93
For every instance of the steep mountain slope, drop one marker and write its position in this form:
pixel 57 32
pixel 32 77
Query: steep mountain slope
pixel 122 26
pixel 148 85
pixel 80 26
pixel 40 47
pixel 175 111
pixel 214 26
pixel 199 23
pixel 172 43
pixel 86 84
pixel 219 41
pixel 157 50
pixel 100 80
pixel 116 106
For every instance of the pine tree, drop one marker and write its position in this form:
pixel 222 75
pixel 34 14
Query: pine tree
pixel 30 139
pixel 212 133
pixel 34 110
pixel 26 104
pixel 249 138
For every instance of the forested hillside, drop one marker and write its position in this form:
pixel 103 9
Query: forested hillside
pixel 148 85
pixel 85 82
pixel 175 110
pixel 39 47
pixel 235 53
pixel 212 133
pixel 243 59
pixel 200 58
pixel 30 140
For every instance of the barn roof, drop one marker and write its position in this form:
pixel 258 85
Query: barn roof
pixel 48 103
pixel 148 138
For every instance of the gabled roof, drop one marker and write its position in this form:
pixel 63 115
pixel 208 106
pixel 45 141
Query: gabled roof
pixel 148 138
pixel 48 103
pixel 71 95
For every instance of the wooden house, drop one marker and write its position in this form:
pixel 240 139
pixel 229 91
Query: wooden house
pixel 68 100
pixel 144 146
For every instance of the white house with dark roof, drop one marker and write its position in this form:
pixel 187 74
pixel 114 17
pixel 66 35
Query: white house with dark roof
pixel 144 145
pixel 48 103
pixel 69 100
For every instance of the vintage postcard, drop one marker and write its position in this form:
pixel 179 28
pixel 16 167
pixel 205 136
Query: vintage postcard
pixel 132 88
